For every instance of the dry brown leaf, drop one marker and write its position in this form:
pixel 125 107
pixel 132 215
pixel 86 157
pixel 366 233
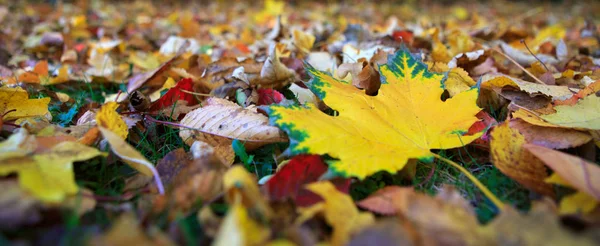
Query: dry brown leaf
pixel 581 174
pixel 508 155
pixel 364 75
pixel 554 138
pixel 17 208
pixel 273 73
pixel 220 121
pixel 382 201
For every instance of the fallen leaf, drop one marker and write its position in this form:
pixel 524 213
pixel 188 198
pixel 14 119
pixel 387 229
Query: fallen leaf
pixel 500 81
pixel 404 129
pixel 175 94
pixel 238 229
pixel 289 181
pixel 273 73
pixel 127 231
pixel 590 89
pixel 221 121
pixel 108 118
pixel 554 138
pixel 239 184
pixel 340 212
pixel 303 41
pixel 131 156
pixel 48 176
pixel 18 100
pixel 383 200
pixel 581 174
pixel 583 115
pixel 508 155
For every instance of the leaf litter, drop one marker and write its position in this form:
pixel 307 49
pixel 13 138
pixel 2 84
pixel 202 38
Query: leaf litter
pixel 299 123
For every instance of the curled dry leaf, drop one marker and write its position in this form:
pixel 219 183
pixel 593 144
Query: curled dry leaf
pixel 220 121
pixel 508 155
pixel 364 75
pixel 274 74
pixel 131 156
pixel 497 81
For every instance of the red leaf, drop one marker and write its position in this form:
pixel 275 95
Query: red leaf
pixel 269 96
pixel 403 36
pixel 290 180
pixel 174 94
pixel 485 123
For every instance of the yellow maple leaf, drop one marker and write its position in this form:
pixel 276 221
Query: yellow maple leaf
pixel 508 155
pixel 239 229
pixel 48 175
pixel 18 100
pixel 339 211
pixel 405 120
pixel 108 118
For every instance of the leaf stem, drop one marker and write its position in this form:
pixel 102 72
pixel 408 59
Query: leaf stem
pixel 473 179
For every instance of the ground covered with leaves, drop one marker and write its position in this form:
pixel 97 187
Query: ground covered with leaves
pixel 299 123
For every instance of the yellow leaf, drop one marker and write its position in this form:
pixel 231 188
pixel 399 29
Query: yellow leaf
pixel 556 179
pixel 272 9
pixel 303 41
pixel 404 121
pixel 551 33
pixel 240 184
pixel 458 81
pixel 49 175
pixel 62 77
pixel 127 231
pixel 584 115
pixel 531 118
pixel 145 61
pixel 17 99
pixel 499 81
pixel 108 118
pixel 340 212
pixel 238 229
pixel 131 156
pixel 169 83
pixel 579 202
pixel 508 155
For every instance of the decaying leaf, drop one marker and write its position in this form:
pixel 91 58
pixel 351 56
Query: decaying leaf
pixel 401 122
pixel 219 121
pixel 512 159
pixel 127 231
pixel 500 81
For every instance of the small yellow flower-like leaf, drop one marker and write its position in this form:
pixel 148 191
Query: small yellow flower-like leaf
pixel 406 119
pixel 108 118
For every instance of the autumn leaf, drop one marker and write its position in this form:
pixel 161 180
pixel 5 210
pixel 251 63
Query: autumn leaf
pixel 401 122
pixel 15 104
pixel 339 212
pixel 585 114
pixel 220 121
pixel 47 175
pixel 108 118
pixel 289 181
pixel 580 174
pixel 508 155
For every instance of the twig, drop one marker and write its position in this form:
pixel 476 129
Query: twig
pixel 475 181
pixel 518 65
pixel 538 59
